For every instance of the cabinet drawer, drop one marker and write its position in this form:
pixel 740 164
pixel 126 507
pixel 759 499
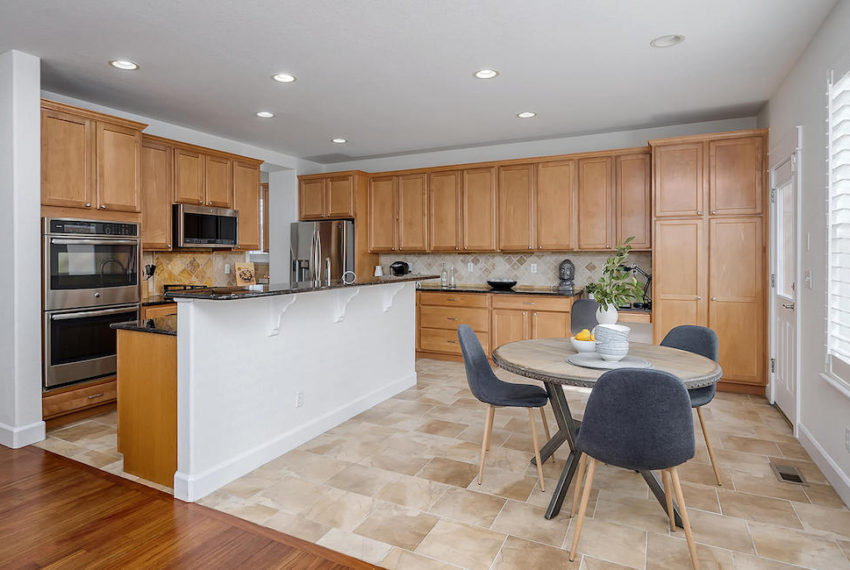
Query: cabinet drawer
pixel 78 399
pixel 452 317
pixel 154 311
pixel 444 340
pixel 453 299
pixel 532 302
pixel 634 317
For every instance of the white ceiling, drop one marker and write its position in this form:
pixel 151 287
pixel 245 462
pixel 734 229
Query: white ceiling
pixel 395 76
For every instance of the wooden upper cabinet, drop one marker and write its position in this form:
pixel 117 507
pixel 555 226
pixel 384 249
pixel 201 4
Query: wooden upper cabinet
pixel 595 203
pixel 218 181
pixel 479 207
pixel 633 194
pixel 118 167
pixel 678 179
pixel 554 199
pixel 311 199
pixel 444 206
pixel 189 171
pixel 339 200
pixel 246 199
pixel 516 207
pixel 157 191
pixel 412 216
pixel 735 175
pixel 67 160
pixel 680 275
pixel 382 213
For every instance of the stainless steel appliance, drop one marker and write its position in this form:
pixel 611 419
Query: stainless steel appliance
pixel 91 280
pixel 203 226
pixel 321 252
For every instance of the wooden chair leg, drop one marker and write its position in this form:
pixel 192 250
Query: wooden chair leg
pixel 579 477
pixel 683 511
pixel 536 447
pixel 668 492
pixel 485 439
pixel 585 496
pixel 708 445
pixel 545 423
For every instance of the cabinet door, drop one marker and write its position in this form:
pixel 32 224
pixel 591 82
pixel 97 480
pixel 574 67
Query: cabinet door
pixel 634 199
pixel 516 208
pixel 311 199
pixel 556 184
pixel 382 213
pixel 479 209
pixel 680 275
pixel 444 210
pixel 736 308
pixel 678 177
pixel 595 203
pixel 340 197
pixel 413 212
pixel 218 181
pixel 548 324
pixel 157 193
pixel 246 199
pixel 735 176
pixel 509 325
pixel 67 160
pixel 118 167
pixel 188 176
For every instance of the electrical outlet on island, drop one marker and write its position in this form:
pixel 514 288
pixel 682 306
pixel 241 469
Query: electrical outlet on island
pixel 299 399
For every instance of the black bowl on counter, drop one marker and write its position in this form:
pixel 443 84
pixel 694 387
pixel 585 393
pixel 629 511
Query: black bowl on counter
pixel 501 284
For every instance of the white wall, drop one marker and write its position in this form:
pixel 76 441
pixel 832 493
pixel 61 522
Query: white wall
pixel 283 210
pixel 567 145
pixel 801 100
pixel 20 294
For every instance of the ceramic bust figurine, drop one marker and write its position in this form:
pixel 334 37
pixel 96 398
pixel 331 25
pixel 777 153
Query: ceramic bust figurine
pixel 566 274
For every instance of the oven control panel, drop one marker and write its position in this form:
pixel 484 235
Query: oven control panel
pixel 91 228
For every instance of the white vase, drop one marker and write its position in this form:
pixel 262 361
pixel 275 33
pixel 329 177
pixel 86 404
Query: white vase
pixel 607 317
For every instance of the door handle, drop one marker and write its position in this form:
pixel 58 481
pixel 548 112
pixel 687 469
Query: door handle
pixel 791 306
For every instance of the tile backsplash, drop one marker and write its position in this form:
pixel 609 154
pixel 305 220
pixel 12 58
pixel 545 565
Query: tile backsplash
pixel 514 266
pixel 195 268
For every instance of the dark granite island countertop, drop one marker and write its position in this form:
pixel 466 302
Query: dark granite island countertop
pixel 516 290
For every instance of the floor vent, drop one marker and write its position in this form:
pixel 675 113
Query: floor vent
pixel 788 473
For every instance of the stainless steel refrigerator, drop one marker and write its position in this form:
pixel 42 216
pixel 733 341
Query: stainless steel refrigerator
pixel 321 252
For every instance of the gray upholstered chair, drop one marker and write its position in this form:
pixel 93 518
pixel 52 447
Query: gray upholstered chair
pixel 702 341
pixel 637 419
pixel 583 315
pixel 488 388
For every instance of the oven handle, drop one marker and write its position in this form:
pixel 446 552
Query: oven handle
pixel 59 241
pixel 66 316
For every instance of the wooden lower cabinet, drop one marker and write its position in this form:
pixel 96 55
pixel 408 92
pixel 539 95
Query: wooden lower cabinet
pixel 550 324
pixel 509 325
pixel 156 311
pixel 73 399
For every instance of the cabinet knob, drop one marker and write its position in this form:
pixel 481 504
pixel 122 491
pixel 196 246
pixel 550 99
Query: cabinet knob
pixel 699 212
pixel 103 206
pixel 168 244
pixel 699 298
pixel 714 298
pixel 608 245
pixel 88 204
pixel 714 211
pixel 524 313
pixel 200 201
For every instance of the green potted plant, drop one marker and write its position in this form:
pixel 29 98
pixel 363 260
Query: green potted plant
pixel 615 287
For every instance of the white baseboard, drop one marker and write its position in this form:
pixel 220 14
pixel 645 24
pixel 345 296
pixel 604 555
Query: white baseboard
pixel 193 487
pixel 833 473
pixel 21 436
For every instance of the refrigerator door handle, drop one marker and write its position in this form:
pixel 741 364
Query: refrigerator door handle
pixel 318 264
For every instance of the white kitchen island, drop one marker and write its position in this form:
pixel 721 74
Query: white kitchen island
pixel 260 373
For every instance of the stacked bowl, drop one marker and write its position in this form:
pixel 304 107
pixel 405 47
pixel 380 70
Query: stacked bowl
pixel 612 342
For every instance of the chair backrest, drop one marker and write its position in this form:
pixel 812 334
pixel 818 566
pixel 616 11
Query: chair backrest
pixel 638 418
pixel 583 315
pixel 479 375
pixel 693 338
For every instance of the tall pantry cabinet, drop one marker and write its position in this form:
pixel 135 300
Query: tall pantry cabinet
pixel 709 258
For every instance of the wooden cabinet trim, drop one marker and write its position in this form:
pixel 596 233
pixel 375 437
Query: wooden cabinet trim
pixel 91 115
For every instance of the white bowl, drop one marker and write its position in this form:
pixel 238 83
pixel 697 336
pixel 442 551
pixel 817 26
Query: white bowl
pixel 612 333
pixel 613 356
pixel 583 345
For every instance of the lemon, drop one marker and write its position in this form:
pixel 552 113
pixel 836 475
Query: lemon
pixel 584 334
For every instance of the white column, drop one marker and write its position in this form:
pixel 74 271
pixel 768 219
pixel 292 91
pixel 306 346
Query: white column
pixel 20 290
pixel 283 210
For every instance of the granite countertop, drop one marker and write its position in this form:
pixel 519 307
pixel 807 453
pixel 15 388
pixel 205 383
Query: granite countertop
pixel 159 325
pixel 230 293
pixel 156 300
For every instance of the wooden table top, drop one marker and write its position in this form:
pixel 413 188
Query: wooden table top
pixel 546 359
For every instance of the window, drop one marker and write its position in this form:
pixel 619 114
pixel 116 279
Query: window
pixel 838 153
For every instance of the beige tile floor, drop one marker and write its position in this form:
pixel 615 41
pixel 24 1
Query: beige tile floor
pixel 396 486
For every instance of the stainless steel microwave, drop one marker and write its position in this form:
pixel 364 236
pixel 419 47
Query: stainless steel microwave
pixel 203 226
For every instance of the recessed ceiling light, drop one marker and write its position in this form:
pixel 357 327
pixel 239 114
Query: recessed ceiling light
pixel 667 41
pixel 486 73
pixel 283 77
pixel 124 64
pixel 265 114
pixel 339 140
pixel 526 114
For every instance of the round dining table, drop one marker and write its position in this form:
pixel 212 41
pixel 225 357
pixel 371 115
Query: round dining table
pixel 545 360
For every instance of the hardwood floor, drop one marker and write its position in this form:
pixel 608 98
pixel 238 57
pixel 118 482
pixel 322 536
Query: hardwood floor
pixel 59 513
